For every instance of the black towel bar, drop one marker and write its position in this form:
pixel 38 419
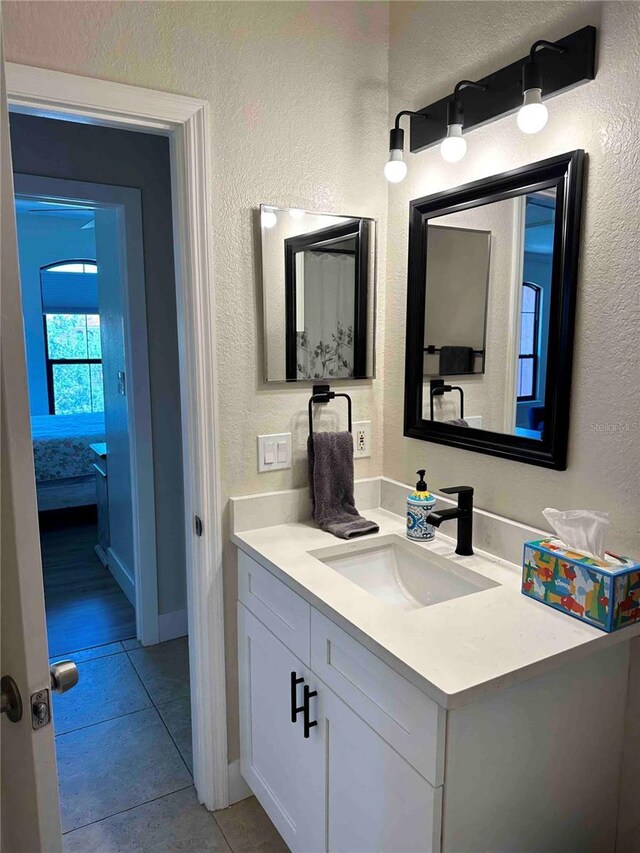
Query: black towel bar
pixel 323 394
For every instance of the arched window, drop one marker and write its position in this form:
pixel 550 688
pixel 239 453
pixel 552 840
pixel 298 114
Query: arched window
pixel 528 351
pixel 72 336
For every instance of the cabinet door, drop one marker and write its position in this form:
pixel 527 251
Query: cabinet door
pixel 376 800
pixel 284 769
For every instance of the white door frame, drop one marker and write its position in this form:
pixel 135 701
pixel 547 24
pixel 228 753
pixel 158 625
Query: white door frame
pixel 186 122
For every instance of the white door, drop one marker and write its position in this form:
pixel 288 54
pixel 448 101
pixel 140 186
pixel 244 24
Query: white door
pixel 283 768
pixel 30 814
pixel 375 799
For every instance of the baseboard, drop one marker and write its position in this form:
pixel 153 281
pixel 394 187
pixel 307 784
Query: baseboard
pixel 122 575
pixel 238 788
pixel 172 625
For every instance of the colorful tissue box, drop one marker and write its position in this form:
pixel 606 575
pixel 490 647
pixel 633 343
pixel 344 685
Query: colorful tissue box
pixel 594 591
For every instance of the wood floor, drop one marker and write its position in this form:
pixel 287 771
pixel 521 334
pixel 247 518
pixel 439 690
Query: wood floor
pixel 85 606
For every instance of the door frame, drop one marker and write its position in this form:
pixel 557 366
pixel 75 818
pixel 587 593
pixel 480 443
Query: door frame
pixel 186 122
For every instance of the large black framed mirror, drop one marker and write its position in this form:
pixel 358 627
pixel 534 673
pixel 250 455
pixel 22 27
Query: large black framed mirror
pixel 490 312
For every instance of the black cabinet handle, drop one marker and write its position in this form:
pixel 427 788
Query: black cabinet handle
pixel 295 708
pixel 308 725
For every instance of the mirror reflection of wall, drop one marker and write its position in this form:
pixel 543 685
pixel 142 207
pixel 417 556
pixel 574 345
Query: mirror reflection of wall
pixel 506 245
pixel 318 272
pixel 456 300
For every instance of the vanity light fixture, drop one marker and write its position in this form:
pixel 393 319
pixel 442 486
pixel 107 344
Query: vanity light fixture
pixel 533 114
pixel 268 217
pixel 395 168
pixel 557 66
pixel 454 146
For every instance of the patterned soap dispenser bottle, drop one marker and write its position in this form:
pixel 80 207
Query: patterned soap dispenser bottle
pixel 419 504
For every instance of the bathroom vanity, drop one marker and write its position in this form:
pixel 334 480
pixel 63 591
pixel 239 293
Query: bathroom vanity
pixel 397 697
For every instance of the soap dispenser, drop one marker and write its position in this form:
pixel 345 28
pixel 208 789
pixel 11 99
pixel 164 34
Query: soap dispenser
pixel 419 504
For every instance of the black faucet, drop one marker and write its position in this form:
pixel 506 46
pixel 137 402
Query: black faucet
pixel 463 512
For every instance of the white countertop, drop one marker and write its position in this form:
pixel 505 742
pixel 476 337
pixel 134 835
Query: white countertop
pixel 454 651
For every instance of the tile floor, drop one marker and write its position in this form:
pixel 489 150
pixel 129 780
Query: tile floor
pixel 123 740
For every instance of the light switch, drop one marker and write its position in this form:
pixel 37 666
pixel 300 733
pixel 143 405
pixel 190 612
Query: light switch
pixel 269 456
pixel 274 452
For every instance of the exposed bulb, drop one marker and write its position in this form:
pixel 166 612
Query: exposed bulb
pixel 268 218
pixel 533 114
pixel 395 168
pixel 296 213
pixel 454 146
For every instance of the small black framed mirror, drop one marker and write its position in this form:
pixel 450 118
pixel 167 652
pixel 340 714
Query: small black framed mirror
pixel 490 312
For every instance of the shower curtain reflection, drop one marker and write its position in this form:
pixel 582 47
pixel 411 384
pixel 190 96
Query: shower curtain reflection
pixel 325 315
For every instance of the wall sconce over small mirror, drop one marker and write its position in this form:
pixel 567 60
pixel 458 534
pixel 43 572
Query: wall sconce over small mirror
pixel 491 293
pixel 318 274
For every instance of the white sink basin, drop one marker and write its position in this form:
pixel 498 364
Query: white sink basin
pixel 402 573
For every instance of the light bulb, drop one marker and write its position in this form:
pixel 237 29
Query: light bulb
pixel 296 213
pixel 268 218
pixel 454 146
pixel 533 114
pixel 395 168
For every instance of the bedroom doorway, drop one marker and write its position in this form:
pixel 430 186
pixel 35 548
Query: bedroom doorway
pixel 87 607
pixel 85 319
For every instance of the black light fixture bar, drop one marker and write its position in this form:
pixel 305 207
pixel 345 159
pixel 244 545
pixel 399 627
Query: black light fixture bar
pixel 503 95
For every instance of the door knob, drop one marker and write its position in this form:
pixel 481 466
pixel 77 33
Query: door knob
pixel 10 699
pixel 64 676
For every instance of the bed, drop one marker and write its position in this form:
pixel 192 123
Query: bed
pixel 64 460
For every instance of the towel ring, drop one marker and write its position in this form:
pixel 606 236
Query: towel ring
pixel 438 388
pixel 323 394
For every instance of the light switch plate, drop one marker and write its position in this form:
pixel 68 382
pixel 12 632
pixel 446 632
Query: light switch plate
pixel 361 439
pixel 274 452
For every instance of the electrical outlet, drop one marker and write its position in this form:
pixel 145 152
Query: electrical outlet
pixel 361 439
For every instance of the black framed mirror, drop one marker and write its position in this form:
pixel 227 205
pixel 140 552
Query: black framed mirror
pixel 495 295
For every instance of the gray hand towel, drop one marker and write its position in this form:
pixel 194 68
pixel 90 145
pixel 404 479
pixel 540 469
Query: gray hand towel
pixel 330 456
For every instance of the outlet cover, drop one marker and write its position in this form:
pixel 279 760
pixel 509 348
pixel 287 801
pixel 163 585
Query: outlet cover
pixel 361 439
pixel 274 452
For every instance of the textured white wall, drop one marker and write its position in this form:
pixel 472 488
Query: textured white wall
pixel 435 44
pixel 298 95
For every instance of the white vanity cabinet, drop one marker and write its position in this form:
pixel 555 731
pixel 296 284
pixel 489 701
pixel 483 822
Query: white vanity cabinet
pixel 350 785
pixel 532 767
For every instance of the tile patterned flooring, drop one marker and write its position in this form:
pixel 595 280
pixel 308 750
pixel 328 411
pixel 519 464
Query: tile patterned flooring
pixel 123 741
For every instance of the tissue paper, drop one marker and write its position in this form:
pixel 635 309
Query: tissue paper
pixel 581 530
